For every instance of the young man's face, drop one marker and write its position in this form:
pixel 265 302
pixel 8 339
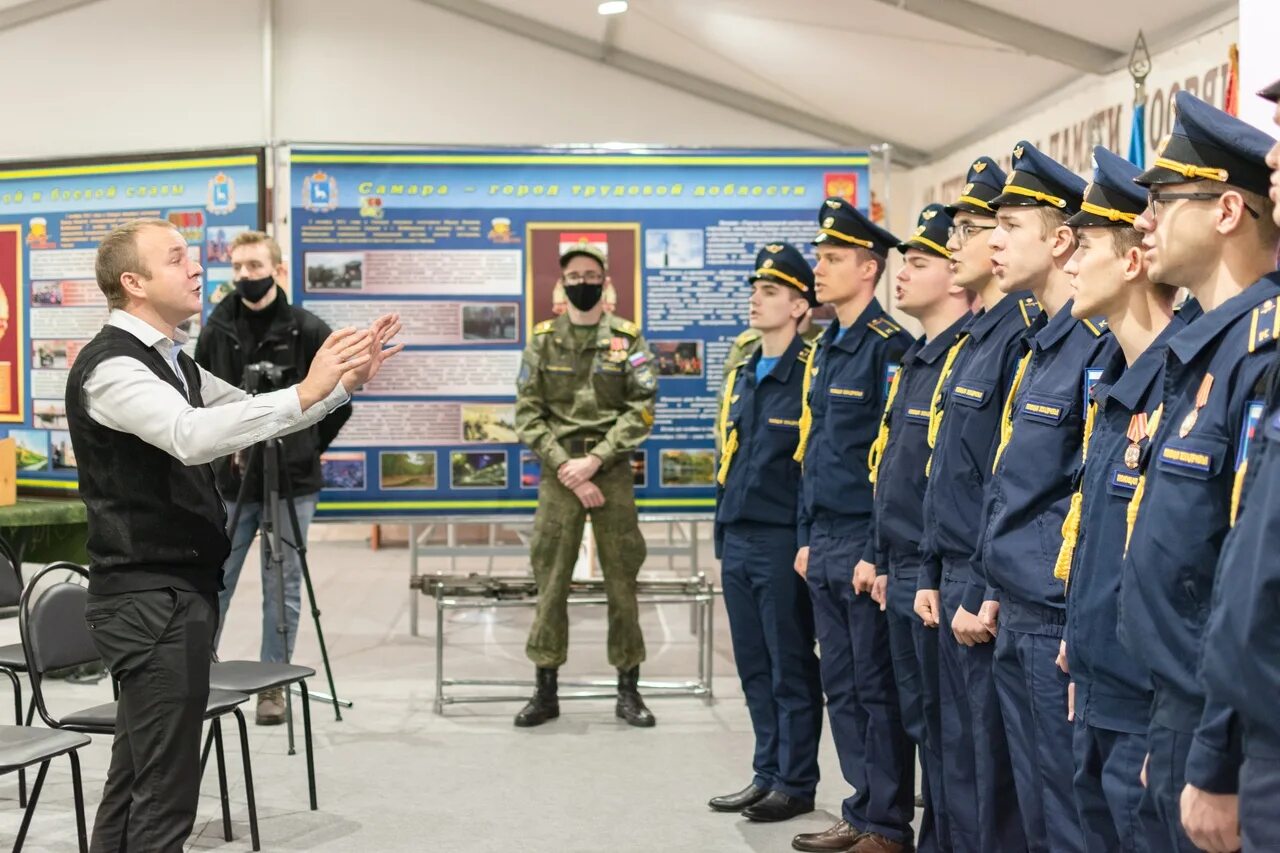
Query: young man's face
pixel 253 262
pixel 1178 237
pixel 1022 249
pixel 839 273
pixel 1273 160
pixel 923 282
pixel 774 306
pixel 582 269
pixel 1097 274
pixel 970 249
pixel 173 287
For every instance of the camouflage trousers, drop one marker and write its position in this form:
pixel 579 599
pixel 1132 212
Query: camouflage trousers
pixel 557 535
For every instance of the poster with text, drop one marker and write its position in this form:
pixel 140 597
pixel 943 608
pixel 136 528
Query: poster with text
pixel 52 217
pixel 465 246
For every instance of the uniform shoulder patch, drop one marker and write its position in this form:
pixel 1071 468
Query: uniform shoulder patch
pixel 806 352
pixel 884 327
pixel 1264 325
pixel 746 337
pixel 1097 327
pixel 1030 309
pixel 544 327
pixel 626 327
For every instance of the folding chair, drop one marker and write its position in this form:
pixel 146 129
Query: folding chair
pixel 12 659
pixel 54 636
pixel 21 747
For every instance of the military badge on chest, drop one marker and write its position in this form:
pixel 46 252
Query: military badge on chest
pixel 617 350
pixel 1202 397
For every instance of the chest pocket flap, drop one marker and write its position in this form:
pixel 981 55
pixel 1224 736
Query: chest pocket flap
pixel 1043 408
pixel 847 394
pixel 971 392
pixel 1199 458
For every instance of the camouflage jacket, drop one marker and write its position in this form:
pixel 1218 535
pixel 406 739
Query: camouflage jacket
pixel 604 390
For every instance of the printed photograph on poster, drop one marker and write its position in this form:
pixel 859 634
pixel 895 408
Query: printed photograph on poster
pixel 33 449
pixel 218 245
pixel 673 248
pixel 12 345
pixel 478 470
pixel 407 470
pixel 530 470
pixel 190 224
pixel 489 321
pixel 343 470
pixel 46 355
pixel 46 293
pixel 334 271
pixel 62 453
pixel 638 468
pixel 618 241
pixel 50 414
pixel 681 359
pixel 489 424
pixel 217 286
pixel 694 466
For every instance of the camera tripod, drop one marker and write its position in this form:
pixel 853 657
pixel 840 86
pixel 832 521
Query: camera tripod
pixel 277 488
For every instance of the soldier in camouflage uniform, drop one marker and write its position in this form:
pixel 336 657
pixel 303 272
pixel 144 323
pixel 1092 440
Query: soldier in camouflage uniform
pixel 584 402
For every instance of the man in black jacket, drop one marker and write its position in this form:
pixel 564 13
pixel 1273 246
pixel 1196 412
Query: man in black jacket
pixel 257 324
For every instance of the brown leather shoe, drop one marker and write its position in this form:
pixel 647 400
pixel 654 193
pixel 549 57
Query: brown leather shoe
pixel 271 708
pixel 870 842
pixel 840 838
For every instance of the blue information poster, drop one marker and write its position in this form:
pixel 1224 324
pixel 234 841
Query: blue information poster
pixel 52 216
pixel 464 245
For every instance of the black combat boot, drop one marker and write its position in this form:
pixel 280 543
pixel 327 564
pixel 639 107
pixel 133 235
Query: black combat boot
pixel 630 706
pixel 544 705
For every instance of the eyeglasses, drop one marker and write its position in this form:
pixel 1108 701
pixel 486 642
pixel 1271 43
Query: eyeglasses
pixel 1156 198
pixel 966 230
pixel 578 278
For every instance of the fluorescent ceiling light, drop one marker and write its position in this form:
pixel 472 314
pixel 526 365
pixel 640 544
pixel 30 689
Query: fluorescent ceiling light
pixel 612 7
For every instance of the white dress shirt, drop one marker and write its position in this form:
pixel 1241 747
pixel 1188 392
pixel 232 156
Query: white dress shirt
pixel 123 394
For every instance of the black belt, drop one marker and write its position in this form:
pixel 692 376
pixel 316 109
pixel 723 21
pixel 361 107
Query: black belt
pixel 579 446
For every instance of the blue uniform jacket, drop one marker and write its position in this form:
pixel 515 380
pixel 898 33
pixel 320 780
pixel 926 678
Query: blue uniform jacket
pixel 972 401
pixel 846 398
pixel 1113 691
pixel 763 481
pixel 898 520
pixel 1240 658
pixel 1184 515
pixel 1031 487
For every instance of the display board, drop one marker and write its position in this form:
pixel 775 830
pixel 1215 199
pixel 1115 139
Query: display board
pixel 464 245
pixel 52 216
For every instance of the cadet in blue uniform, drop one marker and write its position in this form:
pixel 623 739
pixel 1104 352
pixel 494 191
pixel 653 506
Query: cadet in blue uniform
pixel 1030 489
pixel 982 813
pixel 891 564
pixel 1111 693
pixel 1240 663
pixel 770 617
pixel 1207 227
pixel 846 386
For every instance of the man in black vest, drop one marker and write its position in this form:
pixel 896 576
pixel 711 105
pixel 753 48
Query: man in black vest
pixel 145 424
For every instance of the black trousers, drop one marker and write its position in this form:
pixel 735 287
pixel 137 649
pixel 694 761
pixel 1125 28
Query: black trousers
pixel 157 643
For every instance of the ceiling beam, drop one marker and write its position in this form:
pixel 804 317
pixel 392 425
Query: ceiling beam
pixel 1031 38
pixel 36 10
pixel 656 72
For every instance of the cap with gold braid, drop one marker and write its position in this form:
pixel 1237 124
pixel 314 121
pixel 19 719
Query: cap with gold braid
pixel 931 232
pixel 1112 199
pixel 783 263
pixel 842 224
pixel 984 182
pixel 1038 179
pixel 1208 145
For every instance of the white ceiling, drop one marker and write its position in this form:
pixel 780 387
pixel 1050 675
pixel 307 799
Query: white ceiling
pixel 863 69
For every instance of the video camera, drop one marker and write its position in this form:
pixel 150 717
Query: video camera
pixel 263 376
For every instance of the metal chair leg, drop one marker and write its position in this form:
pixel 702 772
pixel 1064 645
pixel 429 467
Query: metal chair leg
pixel 306 736
pixel 17 720
pixel 222 778
pixel 248 778
pixel 31 806
pixel 78 791
pixel 204 754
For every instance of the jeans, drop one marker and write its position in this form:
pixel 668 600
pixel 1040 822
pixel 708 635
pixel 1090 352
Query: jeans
pixel 273 648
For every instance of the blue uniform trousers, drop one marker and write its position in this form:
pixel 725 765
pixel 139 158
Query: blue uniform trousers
pixel 915 670
pixel 1166 777
pixel 982 807
pixel 1033 704
pixel 771 623
pixel 1115 811
pixel 857 676
pixel 1259 793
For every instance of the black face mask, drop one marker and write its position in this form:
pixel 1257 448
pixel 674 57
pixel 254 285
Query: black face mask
pixel 584 296
pixel 254 289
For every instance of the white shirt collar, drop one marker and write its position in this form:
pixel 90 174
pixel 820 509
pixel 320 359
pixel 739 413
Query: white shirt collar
pixel 144 331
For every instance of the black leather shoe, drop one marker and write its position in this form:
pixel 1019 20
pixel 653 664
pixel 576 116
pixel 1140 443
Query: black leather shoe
pixel 776 806
pixel 630 706
pixel 748 796
pixel 545 704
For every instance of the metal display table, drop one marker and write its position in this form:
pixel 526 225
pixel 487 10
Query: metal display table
pixel 481 592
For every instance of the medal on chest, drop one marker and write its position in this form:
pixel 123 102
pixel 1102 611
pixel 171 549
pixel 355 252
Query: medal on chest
pixel 1202 397
pixel 1137 432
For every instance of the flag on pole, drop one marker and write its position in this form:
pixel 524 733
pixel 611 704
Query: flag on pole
pixel 1231 102
pixel 1138 135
